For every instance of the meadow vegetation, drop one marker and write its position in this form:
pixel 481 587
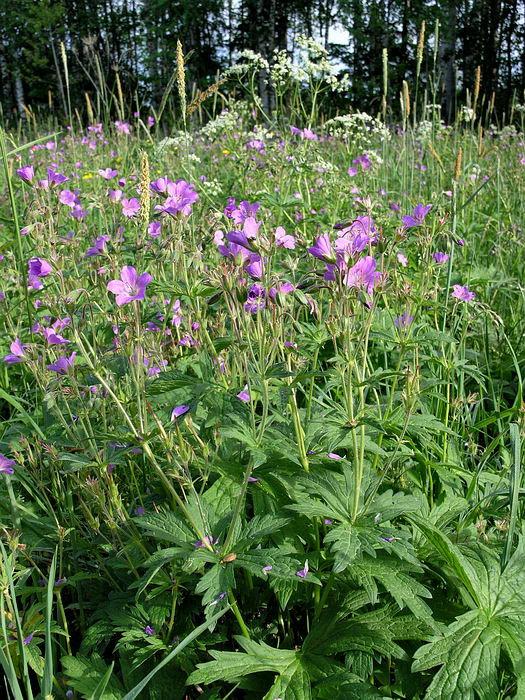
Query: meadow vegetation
pixel 262 399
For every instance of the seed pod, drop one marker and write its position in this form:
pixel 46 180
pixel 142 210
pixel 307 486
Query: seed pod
pixel 228 558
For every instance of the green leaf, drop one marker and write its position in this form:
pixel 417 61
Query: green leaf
pixel 166 526
pixel 86 673
pixel 345 546
pixel 450 553
pixel 134 692
pixel 469 653
pixel 293 683
pixel 218 579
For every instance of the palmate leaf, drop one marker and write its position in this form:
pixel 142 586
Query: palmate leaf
pixel 219 579
pixel 397 578
pixel 346 545
pixel 232 665
pixel 469 653
pixel 294 670
pixel 85 674
pixel 166 526
pixel 470 648
pixel 293 683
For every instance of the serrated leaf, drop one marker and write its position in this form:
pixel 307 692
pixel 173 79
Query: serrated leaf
pixel 166 526
pixel 86 673
pixel 218 579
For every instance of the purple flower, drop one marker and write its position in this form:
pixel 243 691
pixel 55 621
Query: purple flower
pixel 27 639
pixel 160 185
pixel 54 178
pixel 63 364
pixel 266 569
pixel 115 195
pixel 323 249
pixel 356 237
pixel 16 354
pixel 108 173
pixel 130 207
pixel 38 268
pixel 139 511
pixel 52 337
pixel 309 135
pixel 244 210
pixel 68 198
pixel 463 293
pixel 244 395
pixel 363 274
pixel 181 196
pixel 255 269
pixel 208 539
pixel 440 257
pixel 123 126
pixel 240 238
pixel 402 259
pixel 420 211
pixel 130 286
pixel 334 455
pixel 154 229
pixel 327 521
pixel 403 321
pixel 303 573
pixel 98 247
pixel 283 239
pixel 26 173
pixel 6 465
pixel 179 411
pixel 149 630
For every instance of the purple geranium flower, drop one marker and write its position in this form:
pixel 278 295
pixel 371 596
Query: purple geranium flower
pixel 244 395
pixel 6 465
pixel 16 354
pixel 255 269
pixel 420 211
pixel 68 198
pixel 463 293
pixel 284 239
pixel 130 207
pixel 323 249
pixel 38 268
pixel 149 630
pixel 181 195
pixel 55 178
pixel 440 257
pixel 363 274
pixel 244 210
pixel 63 364
pixel 108 173
pixel 303 573
pixel 403 321
pixel 179 411
pixel 207 539
pixel 98 247
pixel 154 229
pixel 130 286
pixel 26 173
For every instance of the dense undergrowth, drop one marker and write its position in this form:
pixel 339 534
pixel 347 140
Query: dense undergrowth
pixel 262 410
